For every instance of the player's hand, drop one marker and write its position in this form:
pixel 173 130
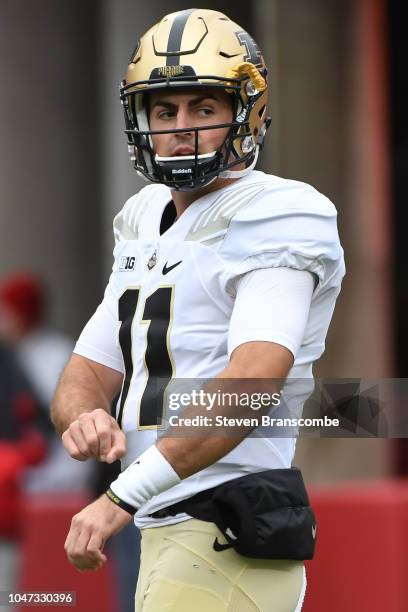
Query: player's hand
pixel 95 434
pixel 89 531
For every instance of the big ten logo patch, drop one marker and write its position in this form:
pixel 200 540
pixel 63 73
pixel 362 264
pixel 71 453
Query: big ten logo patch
pixel 127 263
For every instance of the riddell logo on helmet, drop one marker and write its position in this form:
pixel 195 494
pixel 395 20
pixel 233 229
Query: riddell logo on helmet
pixel 182 171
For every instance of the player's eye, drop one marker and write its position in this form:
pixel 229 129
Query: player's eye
pixel 165 114
pixel 206 112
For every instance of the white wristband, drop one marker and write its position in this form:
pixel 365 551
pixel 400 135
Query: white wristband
pixel 146 477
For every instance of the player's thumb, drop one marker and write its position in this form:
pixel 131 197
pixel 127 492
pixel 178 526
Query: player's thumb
pixel 118 445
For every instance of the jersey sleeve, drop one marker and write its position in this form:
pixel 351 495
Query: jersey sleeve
pixel 99 339
pixel 271 305
pixel 292 228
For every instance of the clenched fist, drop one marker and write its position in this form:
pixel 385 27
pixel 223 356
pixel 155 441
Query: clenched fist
pixel 89 531
pixel 95 434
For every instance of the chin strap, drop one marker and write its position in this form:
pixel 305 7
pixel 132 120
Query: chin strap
pixel 184 158
pixel 240 173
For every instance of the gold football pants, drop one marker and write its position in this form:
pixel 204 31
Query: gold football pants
pixel 181 572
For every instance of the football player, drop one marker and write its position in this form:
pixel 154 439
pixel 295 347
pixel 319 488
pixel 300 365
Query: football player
pixel 221 273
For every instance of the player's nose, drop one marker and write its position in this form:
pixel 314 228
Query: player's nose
pixel 184 120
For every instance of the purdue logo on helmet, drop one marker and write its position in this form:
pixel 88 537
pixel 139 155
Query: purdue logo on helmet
pixel 197 48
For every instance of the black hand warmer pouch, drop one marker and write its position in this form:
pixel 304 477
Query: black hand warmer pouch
pixel 266 515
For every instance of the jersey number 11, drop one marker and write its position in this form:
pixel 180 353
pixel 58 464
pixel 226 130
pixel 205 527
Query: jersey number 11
pixel 157 315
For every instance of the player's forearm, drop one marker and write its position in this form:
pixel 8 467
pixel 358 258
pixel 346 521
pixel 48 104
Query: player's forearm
pixel 190 455
pixel 190 449
pixel 79 390
pixel 222 425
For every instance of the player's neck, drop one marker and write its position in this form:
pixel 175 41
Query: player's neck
pixel 183 199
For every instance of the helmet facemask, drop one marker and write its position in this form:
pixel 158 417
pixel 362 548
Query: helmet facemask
pixel 188 171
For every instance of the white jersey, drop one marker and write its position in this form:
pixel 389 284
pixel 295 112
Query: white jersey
pixel 170 298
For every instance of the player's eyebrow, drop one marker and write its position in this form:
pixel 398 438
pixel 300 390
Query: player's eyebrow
pixel 193 102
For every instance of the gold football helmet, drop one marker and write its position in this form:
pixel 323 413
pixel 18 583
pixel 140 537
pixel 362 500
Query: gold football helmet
pixel 197 48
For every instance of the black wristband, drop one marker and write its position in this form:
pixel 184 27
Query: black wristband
pixel 119 502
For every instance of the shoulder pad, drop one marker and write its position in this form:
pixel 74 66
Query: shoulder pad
pixel 212 224
pixel 289 224
pixel 126 222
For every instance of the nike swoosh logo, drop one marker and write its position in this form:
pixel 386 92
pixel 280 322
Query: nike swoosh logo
pixel 166 269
